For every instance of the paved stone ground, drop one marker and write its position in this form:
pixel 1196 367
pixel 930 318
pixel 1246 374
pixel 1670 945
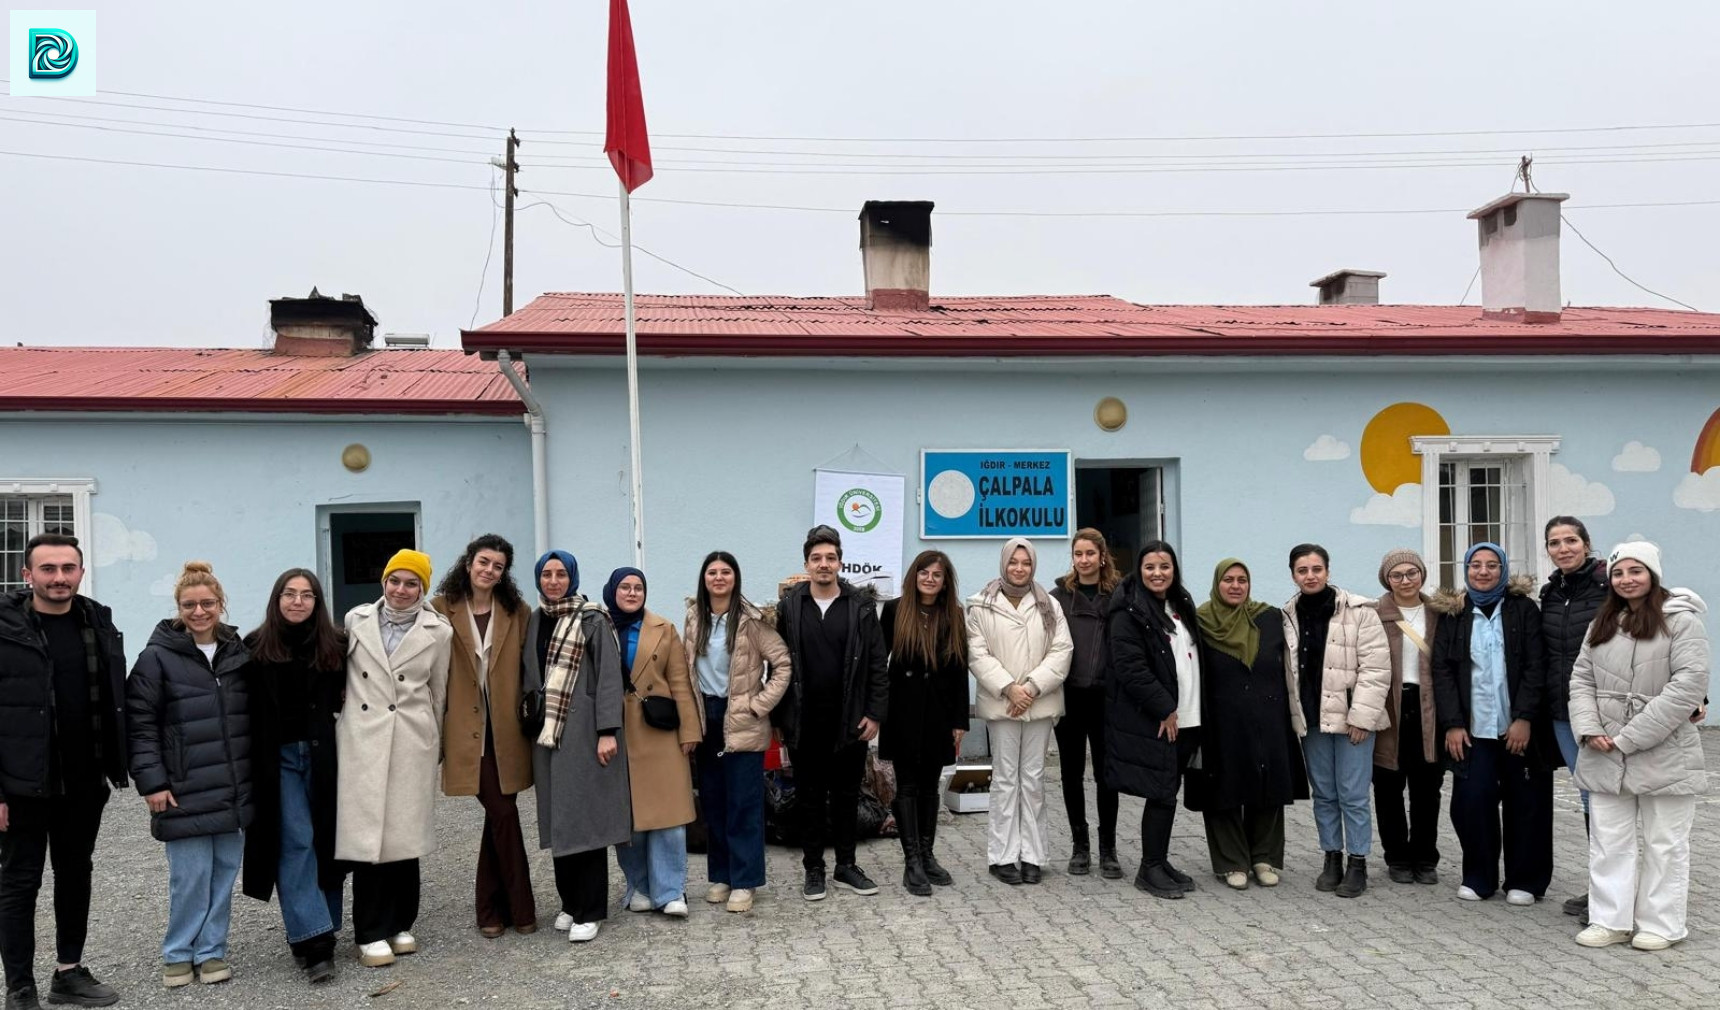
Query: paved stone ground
pixel 1072 941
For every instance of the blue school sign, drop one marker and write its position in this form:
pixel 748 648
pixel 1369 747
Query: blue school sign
pixel 995 493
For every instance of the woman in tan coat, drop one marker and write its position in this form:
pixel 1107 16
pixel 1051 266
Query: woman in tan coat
pixel 1406 752
pixel 741 667
pixel 654 667
pixel 486 755
pixel 389 738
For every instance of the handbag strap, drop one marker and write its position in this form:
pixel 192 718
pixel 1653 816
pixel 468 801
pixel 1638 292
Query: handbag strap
pixel 1414 636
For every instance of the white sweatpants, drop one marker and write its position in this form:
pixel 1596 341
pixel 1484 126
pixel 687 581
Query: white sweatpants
pixel 1018 830
pixel 1650 897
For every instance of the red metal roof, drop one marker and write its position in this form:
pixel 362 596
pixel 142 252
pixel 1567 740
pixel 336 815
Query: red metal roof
pixel 187 379
pixel 671 325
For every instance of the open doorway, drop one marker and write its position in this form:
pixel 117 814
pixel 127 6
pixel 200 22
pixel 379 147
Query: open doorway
pixel 354 542
pixel 1126 503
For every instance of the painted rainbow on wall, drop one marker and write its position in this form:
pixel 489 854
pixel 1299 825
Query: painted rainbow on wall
pixel 1707 452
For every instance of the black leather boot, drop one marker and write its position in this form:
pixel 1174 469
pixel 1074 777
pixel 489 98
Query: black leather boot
pixel 1081 856
pixel 1332 874
pixel 913 862
pixel 935 871
pixel 1355 878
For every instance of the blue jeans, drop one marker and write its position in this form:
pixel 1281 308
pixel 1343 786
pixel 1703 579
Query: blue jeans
pixel 200 876
pixel 1568 750
pixel 306 909
pixel 1339 773
pixel 731 794
pixel 655 865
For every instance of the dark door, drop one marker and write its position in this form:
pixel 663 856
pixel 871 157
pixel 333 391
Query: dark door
pixel 1126 503
pixel 360 543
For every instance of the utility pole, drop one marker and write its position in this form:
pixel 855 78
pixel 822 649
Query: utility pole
pixel 511 166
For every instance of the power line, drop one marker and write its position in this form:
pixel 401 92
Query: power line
pixel 489 250
pixel 1621 273
pixel 597 232
pixel 355 141
pixel 270 119
pixel 237 140
pixel 236 171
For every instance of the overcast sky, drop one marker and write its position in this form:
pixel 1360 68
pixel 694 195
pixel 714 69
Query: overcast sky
pixel 102 254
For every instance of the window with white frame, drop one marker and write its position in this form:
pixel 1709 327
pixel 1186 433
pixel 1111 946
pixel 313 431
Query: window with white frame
pixel 31 507
pixel 1484 489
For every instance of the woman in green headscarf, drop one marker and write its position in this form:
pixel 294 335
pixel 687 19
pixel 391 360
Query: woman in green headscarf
pixel 1251 768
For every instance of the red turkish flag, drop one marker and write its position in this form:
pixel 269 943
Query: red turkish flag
pixel 628 147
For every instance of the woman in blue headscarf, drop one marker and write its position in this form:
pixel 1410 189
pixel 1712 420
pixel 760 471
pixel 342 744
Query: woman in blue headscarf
pixel 1489 685
pixel 573 664
pixel 661 726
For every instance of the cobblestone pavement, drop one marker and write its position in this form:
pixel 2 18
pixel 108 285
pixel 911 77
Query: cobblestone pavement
pixel 1072 941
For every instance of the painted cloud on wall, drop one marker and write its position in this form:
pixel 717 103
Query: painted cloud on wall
pixel 1400 508
pixel 1699 491
pixel 1573 494
pixel 1326 449
pixel 113 542
pixel 1636 458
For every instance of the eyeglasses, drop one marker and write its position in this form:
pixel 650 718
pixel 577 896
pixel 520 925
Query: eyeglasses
pixel 1484 566
pixel 189 606
pixel 290 596
pixel 1408 576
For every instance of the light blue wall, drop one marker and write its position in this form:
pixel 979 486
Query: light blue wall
pixel 243 495
pixel 729 453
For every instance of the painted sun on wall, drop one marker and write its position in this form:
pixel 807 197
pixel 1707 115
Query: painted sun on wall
pixel 1700 488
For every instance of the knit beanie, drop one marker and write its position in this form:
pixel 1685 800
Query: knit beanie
pixel 1400 556
pixel 416 562
pixel 1637 550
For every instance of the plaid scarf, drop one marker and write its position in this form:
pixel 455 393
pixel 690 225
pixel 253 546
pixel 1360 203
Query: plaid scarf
pixel 561 664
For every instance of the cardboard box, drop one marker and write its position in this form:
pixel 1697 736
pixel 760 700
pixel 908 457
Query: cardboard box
pixel 966 776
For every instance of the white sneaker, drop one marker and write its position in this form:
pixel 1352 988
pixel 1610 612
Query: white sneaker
pixel 639 903
pixel 1649 941
pixel 375 954
pixel 563 922
pixel 1515 897
pixel 676 908
pixel 580 932
pixel 717 894
pixel 403 943
pixel 1467 893
pixel 1598 935
pixel 740 900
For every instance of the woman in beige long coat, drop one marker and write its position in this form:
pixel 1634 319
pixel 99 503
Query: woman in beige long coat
pixel 486 755
pixel 389 739
pixel 654 665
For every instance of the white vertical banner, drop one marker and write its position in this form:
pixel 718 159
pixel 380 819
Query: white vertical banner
pixel 867 509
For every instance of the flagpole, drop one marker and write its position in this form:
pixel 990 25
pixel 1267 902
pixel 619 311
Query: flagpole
pixel 632 378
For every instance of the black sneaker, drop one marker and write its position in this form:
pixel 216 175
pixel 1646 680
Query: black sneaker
pixel 77 987
pixel 1399 874
pixel 22 998
pixel 813 889
pixel 854 879
pixel 1157 881
pixel 1009 873
pixel 1577 906
pixel 1426 875
pixel 1030 873
pixel 319 972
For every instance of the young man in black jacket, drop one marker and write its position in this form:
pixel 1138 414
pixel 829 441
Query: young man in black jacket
pixel 837 696
pixel 62 743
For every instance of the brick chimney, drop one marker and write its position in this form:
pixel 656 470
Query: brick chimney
pixel 1520 257
pixel 320 326
pixel 896 249
pixel 1349 287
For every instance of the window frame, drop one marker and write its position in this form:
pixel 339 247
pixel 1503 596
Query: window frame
pixel 80 489
pixel 1534 451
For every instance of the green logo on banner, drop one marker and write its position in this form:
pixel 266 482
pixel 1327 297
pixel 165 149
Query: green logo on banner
pixel 859 510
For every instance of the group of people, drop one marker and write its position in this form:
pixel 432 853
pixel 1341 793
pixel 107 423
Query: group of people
pixel 301 753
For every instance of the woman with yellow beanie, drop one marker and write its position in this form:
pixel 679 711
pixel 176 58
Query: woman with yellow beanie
pixel 389 740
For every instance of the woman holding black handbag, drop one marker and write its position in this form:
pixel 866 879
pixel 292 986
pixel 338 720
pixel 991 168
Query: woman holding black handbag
pixel 661 727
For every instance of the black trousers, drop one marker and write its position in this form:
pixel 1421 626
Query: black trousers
pixel 1499 800
pixel 62 829
pixel 582 881
pixel 1411 842
pixel 1159 815
pixel 384 899
pixel 915 779
pixel 1083 727
pixel 827 795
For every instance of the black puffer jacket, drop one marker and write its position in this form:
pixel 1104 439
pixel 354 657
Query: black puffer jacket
pixel 1086 619
pixel 865 675
pixel 1568 606
pixel 27 697
pixel 1141 692
pixel 191 732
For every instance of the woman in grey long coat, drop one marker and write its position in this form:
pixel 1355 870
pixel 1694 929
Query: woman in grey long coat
pixel 573 665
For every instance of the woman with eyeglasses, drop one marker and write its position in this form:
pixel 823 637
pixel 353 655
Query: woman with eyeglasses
pixel 188 715
pixel 1407 753
pixel 390 742
pixel 1489 682
pixel 297 675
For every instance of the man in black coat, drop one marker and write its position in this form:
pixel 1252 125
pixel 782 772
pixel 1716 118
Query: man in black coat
pixel 837 697
pixel 62 744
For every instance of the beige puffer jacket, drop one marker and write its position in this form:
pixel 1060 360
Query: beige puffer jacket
pixel 1641 693
pixel 758 677
pixel 1357 673
pixel 1008 645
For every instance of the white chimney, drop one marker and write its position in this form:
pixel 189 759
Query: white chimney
pixel 1520 257
pixel 896 250
pixel 1349 287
